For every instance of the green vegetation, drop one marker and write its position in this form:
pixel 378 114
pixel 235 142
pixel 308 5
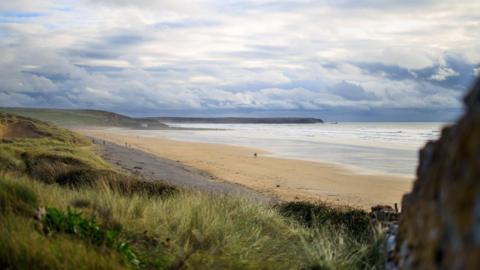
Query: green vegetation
pixel 17 127
pixel 68 118
pixel 62 157
pixel 354 221
pixel 73 223
pixel 57 217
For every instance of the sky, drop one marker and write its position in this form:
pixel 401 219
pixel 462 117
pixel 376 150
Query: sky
pixel 343 60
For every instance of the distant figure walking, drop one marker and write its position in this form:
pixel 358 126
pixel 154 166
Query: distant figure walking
pixel 255 155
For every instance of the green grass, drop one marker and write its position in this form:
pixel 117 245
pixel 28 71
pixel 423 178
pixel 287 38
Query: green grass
pixel 22 246
pixel 198 231
pixel 65 158
pixel 15 198
pixel 99 218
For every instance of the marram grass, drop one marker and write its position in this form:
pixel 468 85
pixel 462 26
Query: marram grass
pixel 187 230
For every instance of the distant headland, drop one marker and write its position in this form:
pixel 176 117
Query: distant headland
pixel 239 120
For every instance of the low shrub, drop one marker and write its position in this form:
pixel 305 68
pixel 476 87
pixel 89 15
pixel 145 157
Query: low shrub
pixel 136 186
pixel 123 184
pixel 355 221
pixel 49 167
pixel 79 177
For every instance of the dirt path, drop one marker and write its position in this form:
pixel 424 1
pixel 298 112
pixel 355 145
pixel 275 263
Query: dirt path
pixel 155 168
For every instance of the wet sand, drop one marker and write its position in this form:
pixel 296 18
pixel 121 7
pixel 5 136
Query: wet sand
pixel 286 179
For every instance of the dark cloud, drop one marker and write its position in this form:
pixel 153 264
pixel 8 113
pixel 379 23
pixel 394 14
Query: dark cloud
pixel 455 73
pixel 390 71
pixel 124 39
pixel 352 91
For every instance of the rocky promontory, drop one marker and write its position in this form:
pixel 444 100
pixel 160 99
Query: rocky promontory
pixel 440 222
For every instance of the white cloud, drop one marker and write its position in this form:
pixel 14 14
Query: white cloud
pixel 240 54
pixel 442 73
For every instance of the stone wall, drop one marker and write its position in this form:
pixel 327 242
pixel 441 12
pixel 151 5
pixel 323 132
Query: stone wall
pixel 440 222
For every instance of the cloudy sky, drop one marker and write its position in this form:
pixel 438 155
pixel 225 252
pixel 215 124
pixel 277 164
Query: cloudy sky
pixel 340 60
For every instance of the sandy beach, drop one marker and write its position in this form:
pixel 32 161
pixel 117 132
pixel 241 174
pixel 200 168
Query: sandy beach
pixel 286 179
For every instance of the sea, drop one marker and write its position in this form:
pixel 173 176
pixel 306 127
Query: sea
pixel 363 147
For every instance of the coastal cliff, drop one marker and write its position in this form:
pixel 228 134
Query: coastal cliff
pixel 440 223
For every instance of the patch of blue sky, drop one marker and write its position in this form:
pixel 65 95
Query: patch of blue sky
pixel 185 24
pixel 18 17
pixel 65 9
pixel 16 14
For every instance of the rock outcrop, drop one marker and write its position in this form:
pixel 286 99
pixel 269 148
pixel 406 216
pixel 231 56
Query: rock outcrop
pixel 440 222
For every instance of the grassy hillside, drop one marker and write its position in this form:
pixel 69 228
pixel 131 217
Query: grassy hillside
pixel 68 118
pixel 63 207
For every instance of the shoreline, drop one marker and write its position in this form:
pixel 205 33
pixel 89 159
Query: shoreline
pixel 287 179
pixel 372 150
pixel 354 169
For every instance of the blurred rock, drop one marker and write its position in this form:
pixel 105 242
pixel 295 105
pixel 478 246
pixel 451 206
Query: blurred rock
pixel 384 214
pixel 440 223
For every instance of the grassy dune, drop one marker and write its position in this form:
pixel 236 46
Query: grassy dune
pixel 62 207
pixel 68 118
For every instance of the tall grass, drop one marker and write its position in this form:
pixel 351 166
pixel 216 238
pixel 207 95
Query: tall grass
pixel 191 230
pixel 24 247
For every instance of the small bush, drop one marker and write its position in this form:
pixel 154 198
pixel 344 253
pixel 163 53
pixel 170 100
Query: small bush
pixel 123 184
pixel 16 198
pixel 49 167
pixel 136 186
pixel 83 177
pixel 81 203
pixel 356 222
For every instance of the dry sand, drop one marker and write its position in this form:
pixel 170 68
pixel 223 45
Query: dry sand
pixel 286 179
